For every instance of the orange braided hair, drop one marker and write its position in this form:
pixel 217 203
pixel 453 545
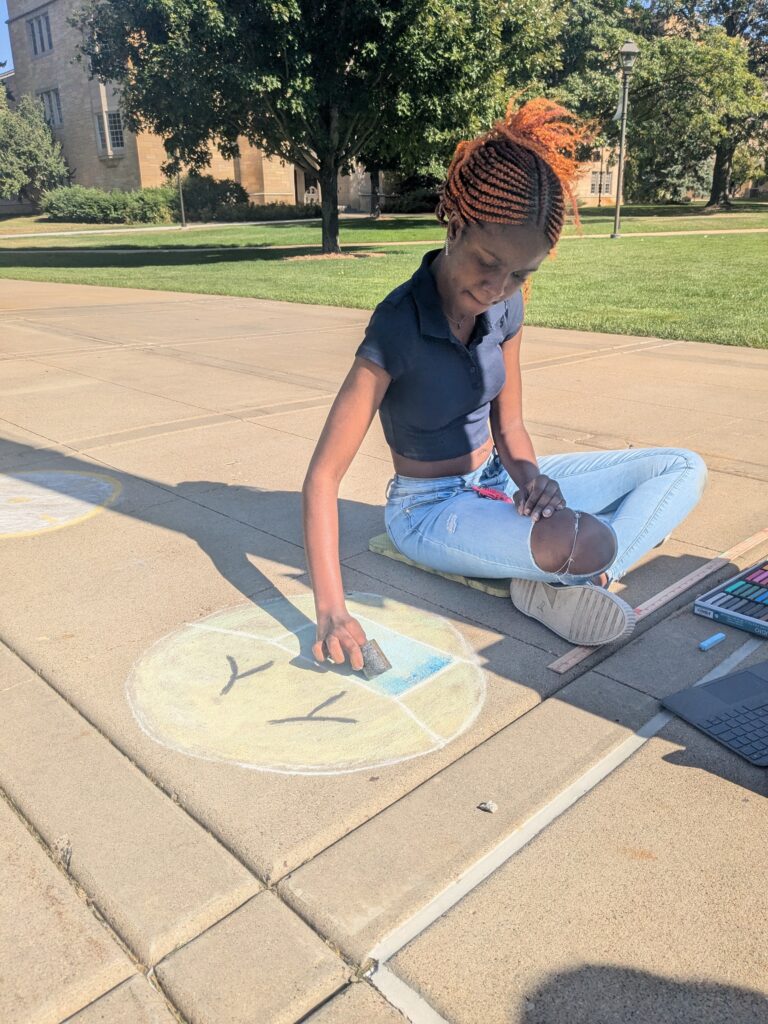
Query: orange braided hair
pixel 520 172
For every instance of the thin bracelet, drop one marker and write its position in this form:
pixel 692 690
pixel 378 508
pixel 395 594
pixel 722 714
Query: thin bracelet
pixel 569 559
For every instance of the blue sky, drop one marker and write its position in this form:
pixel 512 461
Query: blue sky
pixel 5 46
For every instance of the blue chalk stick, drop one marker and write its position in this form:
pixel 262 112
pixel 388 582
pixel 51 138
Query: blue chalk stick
pixel 711 641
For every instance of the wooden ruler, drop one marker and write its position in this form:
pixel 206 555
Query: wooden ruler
pixel 578 654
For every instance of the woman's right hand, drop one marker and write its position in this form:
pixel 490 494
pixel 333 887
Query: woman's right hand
pixel 339 636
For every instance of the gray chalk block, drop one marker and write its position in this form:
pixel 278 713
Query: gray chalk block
pixel 375 660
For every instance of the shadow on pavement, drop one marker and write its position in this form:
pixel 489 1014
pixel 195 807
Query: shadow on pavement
pixel 599 994
pixel 259 510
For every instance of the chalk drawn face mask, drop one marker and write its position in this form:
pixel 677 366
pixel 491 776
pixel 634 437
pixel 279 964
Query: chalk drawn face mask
pixel 242 686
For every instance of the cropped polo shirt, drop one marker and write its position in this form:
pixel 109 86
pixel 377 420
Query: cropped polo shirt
pixel 438 402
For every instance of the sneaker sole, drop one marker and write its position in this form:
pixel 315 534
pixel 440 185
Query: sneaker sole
pixel 586 616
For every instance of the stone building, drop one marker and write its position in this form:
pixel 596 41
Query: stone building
pixel 85 115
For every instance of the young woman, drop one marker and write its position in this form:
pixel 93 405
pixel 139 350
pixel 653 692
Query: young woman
pixel 440 362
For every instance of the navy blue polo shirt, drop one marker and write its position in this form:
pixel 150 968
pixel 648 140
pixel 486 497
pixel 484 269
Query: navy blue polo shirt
pixel 438 402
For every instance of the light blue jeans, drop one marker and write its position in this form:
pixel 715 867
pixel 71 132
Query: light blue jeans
pixel 640 493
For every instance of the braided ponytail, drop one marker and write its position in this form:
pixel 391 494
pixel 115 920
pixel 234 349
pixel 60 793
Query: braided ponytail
pixel 520 172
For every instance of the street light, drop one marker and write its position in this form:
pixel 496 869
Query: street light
pixel 627 55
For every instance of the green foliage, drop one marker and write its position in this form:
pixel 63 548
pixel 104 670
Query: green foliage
pixel 269 211
pixel 79 205
pixel 750 163
pixel 30 158
pixel 418 200
pixel 687 96
pixel 315 82
pixel 208 198
pixel 740 19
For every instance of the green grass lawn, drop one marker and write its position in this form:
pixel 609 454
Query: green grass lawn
pixel 700 288
pixel 402 228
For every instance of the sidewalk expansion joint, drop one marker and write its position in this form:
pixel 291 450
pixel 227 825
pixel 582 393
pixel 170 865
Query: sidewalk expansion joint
pixel 166 791
pixel 61 866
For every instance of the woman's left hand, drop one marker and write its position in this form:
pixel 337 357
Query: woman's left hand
pixel 539 497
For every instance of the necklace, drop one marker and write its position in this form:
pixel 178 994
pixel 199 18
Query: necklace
pixel 458 322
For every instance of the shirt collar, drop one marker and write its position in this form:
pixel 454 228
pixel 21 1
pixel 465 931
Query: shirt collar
pixel 432 319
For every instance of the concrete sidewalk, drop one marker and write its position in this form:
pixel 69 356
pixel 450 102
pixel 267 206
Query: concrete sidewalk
pixel 198 824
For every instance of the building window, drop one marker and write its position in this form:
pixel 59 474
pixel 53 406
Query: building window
pixel 40 34
pixel 596 188
pixel 116 138
pixel 52 107
pixel 109 126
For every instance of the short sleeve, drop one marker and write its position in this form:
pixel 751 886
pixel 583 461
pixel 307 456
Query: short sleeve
pixel 514 315
pixel 384 339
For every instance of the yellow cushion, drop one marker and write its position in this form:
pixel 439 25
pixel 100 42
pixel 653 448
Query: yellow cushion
pixel 382 545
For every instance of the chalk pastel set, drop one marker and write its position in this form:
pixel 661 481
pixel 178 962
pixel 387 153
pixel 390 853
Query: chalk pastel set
pixel 741 601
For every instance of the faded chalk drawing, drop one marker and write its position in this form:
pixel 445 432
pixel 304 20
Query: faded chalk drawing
pixel 39 501
pixel 242 686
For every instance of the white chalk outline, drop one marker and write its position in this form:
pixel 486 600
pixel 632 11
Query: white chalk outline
pixel 471 660
pixel 111 498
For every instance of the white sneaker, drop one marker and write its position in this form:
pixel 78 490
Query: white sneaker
pixel 584 614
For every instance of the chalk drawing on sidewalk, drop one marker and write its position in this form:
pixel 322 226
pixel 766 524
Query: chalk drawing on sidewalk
pixel 43 500
pixel 242 686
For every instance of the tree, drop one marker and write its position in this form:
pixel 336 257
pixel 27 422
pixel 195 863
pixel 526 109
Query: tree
pixel 689 98
pixel 746 20
pixel 314 82
pixel 418 134
pixel 30 158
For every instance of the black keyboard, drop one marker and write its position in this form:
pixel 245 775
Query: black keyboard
pixel 743 729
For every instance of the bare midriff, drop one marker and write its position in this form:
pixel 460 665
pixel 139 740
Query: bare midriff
pixel 443 467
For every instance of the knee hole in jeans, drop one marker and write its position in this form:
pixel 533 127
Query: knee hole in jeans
pixel 552 542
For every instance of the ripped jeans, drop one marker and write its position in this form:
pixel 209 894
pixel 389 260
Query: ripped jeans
pixel 642 494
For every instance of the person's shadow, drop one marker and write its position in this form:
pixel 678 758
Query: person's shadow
pixel 600 994
pixel 255 514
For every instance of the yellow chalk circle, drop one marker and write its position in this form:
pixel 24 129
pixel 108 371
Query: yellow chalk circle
pixel 39 501
pixel 242 686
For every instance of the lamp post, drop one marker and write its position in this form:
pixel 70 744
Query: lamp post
pixel 628 55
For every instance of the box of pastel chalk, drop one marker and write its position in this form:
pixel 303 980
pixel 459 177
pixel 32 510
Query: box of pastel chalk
pixel 741 601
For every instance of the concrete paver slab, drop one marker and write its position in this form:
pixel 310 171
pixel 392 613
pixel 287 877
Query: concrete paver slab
pixel 216 389
pixel 643 900
pixel 65 405
pixel 357 1004
pixel 155 875
pixel 363 887
pixel 24 340
pixel 651 388
pixel 262 964
pixel 254 475
pixel 732 509
pixel 327 349
pixel 667 658
pixel 34 296
pixel 56 955
pixel 133 1002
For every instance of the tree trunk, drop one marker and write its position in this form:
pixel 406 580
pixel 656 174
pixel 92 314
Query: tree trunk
pixel 329 188
pixel 375 199
pixel 721 177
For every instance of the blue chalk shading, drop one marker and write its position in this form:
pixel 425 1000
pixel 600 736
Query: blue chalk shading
pixel 412 662
pixel 393 682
